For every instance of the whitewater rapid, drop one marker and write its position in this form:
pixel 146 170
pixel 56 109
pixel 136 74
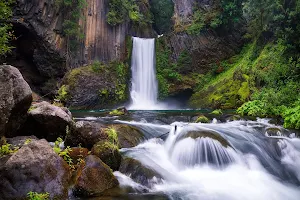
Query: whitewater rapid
pixel 227 161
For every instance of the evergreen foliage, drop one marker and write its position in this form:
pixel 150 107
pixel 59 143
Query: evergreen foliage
pixel 5 27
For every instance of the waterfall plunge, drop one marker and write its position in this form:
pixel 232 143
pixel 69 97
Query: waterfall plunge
pixel 144 88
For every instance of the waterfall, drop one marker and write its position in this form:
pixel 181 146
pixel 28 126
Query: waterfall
pixel 144 87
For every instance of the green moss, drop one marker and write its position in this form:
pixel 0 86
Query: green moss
pixel 202 119
pixel 217 112
pixel 38 196
pixel 116 112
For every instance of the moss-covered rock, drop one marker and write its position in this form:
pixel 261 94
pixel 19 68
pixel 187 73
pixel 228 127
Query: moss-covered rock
pixel 95 86
pixel 202 119
pixel 108 153
pixel 128 136
pixel 94 178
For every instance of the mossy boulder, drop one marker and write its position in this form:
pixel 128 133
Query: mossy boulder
pixel 128 136
pixel 95 86
pixel 86 134
pixel 202 119
pixel 94 178
pixel 34 167
pixel 205 133
pixel 78 153
pixel 139 173
pixel 109 153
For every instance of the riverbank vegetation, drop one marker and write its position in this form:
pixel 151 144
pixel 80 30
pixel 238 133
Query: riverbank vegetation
pixel 264 78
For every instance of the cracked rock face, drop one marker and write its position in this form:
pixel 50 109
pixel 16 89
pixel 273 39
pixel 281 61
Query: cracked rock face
pixel 15 100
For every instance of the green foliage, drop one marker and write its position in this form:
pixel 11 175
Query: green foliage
pixel 254 108
pixel 184 60
pixel 121 10
pixel 116 112
pixel 73 11
pixel 217 112
pixel 292 117
pixel 63 93
pixel 65 153
pixel 112 135
pixel 97 66
pixel 5 27
pixel 38 196
pixel 7 149
pixel 197 23
pixel 27 141
pixel 202 119
pixel 163 11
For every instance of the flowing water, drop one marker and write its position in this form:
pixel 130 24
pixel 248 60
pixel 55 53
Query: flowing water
pixel 144 84
pixel 239 160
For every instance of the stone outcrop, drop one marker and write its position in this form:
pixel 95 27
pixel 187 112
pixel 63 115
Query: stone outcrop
pixel 34 167
pixel 15 100
pixel 128 136
pixel 48 121
pixel 86 134
pixel 95 178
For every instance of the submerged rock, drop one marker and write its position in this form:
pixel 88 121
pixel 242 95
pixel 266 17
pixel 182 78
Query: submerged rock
pixel 128 136
pixel 138 172
pixel 15 100
pixel 34 167
pixel 48 121
pixel 108 153
pixel 95 178
pixel 86 134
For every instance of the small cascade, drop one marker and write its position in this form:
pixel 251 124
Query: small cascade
pixel 223 161
pixel 144 87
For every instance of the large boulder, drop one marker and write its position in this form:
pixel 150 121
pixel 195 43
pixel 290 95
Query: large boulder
pixel 15 100
pixel 48 121
pixel 108 153
pixel 139 173
pixel 128 136
pixel 86 134
pixel 34 167
pixel 95 178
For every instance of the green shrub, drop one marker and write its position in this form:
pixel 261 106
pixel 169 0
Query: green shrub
pixel 65 154
pixel 163 11
pixel 292 117
pixel 217 112
pixel 197 24
pixel 97 66
pixel 37 196
pixel 254 108
pixel 63 93
pixel 5 27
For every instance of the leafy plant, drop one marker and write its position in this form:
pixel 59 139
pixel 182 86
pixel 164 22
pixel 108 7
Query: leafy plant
pixel 197 24
pixel 5 27
pixel 253 108
pixel 7 149
pixel 292 117
pixel 63 93
pixel 38 196
pixel 217 112
pixel 65 153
